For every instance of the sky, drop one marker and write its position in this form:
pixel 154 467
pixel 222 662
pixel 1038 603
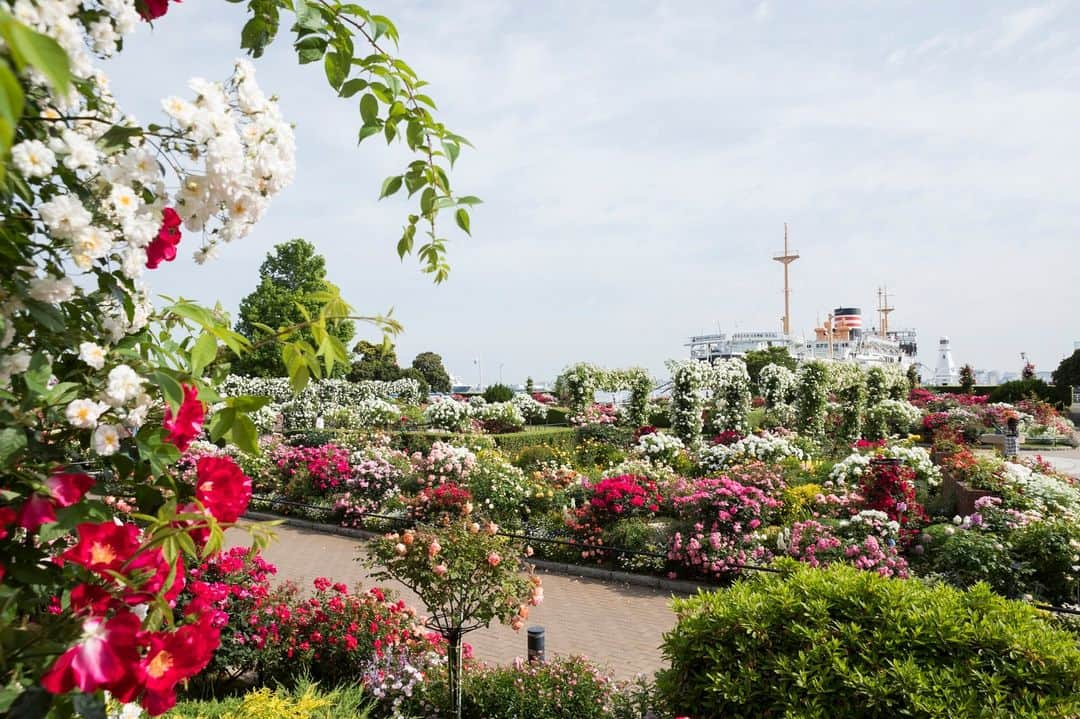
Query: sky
pixel 638 161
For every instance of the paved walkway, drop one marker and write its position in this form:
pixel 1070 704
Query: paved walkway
pixel 1066 460
pixel 618 626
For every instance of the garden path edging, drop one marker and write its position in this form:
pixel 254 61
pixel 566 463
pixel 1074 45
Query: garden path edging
pixel 614 576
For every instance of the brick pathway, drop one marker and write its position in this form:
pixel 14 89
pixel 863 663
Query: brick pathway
pixel 618 626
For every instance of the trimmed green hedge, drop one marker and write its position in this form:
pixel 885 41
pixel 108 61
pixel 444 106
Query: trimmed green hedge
pixel 561 438
pixel 1058 395
pixel 839 642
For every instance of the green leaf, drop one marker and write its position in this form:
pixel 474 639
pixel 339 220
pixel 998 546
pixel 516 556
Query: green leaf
pixel 469 200
pixel 337 68
pixel 255 35
pixel 172 390
pixel 352 87
pixel 38 374
pixel 119 136
pixel 427 200
pixel 310 49
pixel 244 435
pixel 29 47
pixel 462 218
pixel 248 402
pixel 11 106
pixel 12 442
pixel 369 109
pixel 90 706
pixel 367 131
pixel 452 150
pixel 203 353
pixel 222 422
pixel 390 186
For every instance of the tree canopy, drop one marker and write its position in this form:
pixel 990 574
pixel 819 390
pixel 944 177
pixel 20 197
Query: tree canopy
pixel 290 278
pixel 756 359
pixel 1068 372
pixel 430 365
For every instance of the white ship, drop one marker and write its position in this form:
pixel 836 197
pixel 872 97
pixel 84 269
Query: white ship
pixel 840 338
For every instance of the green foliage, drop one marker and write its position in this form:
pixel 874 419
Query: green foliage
pixel 305 701
pixel 563 688
pixel 1017 390
pixel 1068 371
pixel 967 379
pixel 498 393
pixel 963 558
pixel 421 379
pixel 562 439
pixel 811 396
pixel 1048 550
pixel 374 362
pixel 757 359
pixel 350 44
pixel 532 457
pixel 292 282
pixel 413 441
pixel 838 643
pixel 430 365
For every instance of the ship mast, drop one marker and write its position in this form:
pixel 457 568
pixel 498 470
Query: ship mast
pixel 786 259
pixel 884 310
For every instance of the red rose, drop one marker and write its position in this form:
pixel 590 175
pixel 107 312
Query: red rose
pixel 188 422
pixel 163 247
pixel 222 488
pixel 103 546
pixel 68 488
pixel 153 9
pixel 106 656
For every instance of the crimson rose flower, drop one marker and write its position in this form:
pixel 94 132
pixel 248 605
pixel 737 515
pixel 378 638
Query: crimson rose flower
pixel 222 488
pixel 188 422
pixel 103 546
pixel 103 659
pixel 163 247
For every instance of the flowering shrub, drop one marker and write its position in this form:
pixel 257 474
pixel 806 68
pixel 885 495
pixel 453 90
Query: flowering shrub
pixel 848 383
pixel 623 496
pixel 777 384
pixel 816 544
pixel 891 416
pixel 444 462
pixel 763 447
pixel 595 414
pixel 498 488
pixel 335 635
pixel 660 447
pixel 850 470
pixel 375 475
pixel 447 414
pixel 688 382
pixel 308 471
pixel 889 487
pixel 531 409
pixel 232 584
pixel 467 577
pixel 731 395
pixel 811 395
pixel 440 502
pixel 499 417
pixel 726 516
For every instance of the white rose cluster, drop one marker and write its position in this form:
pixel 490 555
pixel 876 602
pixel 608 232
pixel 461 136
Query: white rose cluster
pixel 659 445
pixel 761 448
pixel 249 151
pixel 447 414
pixel 529 408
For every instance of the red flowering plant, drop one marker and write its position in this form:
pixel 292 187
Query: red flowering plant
pixel 335 634
pixel 624 496
pixel 230 586
pixel 889 487
pixel 440 503
pixel 307 471
pixel 728 436
pixel 724 520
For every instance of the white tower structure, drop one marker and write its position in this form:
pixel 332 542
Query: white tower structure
pixel 946 372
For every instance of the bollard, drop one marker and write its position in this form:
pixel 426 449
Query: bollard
pixel 536 644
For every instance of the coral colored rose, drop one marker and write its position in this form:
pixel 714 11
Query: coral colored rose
pixel 440 570
pixel 401 549
pixel 494 559
pixel 37 510
pixel 222 487
pixel 434 548
pixel 105 657
pixel 68 488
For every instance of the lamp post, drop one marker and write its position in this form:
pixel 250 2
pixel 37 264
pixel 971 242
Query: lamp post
pixel 480 370
pixel 500 372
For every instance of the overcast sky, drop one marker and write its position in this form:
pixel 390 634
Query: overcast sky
pixel 638 161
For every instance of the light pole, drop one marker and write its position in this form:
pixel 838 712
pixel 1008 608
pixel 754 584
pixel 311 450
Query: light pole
pixel 500 372
pixel 480 370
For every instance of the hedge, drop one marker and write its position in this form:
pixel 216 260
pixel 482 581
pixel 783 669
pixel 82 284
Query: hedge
pixel 840 642
pixel 1058 395
pixel 561 438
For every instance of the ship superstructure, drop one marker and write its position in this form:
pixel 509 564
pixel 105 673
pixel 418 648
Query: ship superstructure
pixel 841 337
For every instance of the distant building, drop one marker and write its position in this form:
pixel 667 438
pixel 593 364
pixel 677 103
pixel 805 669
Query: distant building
pixel 946 372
